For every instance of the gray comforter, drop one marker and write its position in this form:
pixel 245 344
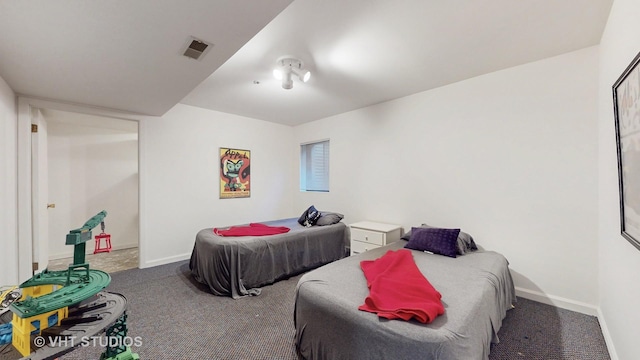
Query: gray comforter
pixel 239 266
pixel 477 290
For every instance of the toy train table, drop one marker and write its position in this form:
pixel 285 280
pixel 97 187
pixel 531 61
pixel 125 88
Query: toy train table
pixel 56 311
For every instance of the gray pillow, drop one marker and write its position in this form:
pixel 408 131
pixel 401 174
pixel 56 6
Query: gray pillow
pixel 329 218
pixel 465 241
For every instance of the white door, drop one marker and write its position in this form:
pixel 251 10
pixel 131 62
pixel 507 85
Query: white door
pixel 40 191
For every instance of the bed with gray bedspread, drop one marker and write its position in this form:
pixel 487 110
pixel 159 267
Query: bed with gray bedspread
pixel 477 290
pixel 239 266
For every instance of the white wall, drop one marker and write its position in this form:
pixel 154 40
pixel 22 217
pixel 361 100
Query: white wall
pixel 182 177
pixel 619 260
pixel 93 166
pixel 510 157
pixel 8 176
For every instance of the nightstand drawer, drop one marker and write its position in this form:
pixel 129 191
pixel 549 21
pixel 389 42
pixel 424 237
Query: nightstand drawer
pixel 366 236
pixel 358 247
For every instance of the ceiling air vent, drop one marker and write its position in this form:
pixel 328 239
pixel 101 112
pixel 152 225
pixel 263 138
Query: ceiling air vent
pixel 196 48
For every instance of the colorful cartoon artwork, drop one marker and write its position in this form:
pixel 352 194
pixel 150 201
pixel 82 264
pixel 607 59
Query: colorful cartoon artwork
pixel 235 177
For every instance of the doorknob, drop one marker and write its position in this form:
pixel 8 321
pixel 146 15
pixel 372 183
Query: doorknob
pixel 51 206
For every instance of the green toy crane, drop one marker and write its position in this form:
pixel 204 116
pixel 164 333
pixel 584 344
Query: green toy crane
pixel 79 237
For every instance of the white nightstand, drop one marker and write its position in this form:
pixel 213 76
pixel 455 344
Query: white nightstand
pixel 367 235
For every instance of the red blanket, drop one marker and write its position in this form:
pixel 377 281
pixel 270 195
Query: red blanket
pixel 398 290
pixel 254 229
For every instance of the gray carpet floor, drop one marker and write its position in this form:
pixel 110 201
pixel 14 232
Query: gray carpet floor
pixel 176 318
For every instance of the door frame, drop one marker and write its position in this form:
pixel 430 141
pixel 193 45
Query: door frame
pixel 39 191
pixel 25 175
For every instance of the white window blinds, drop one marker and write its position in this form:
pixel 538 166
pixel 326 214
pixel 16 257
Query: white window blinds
pixel 314 166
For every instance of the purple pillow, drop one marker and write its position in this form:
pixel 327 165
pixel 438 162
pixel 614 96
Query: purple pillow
pixel 435 240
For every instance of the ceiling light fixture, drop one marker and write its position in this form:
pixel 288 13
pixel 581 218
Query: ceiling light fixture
pixel 286 68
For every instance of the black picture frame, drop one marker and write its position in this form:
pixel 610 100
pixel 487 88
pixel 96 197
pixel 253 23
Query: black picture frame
pixel 626 108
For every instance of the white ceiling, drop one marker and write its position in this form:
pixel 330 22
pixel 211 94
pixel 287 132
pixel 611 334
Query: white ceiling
pixel 121 54
pixel 126 55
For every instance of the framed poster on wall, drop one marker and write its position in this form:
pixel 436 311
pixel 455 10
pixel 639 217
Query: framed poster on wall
pixel 626 105
pixel 235 173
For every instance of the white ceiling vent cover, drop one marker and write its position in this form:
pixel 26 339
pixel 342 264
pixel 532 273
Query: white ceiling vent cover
pixel 196 48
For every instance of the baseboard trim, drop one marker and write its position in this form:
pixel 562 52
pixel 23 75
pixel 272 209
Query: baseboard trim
pixel 166 260
pixel 607 336
pixel 557 301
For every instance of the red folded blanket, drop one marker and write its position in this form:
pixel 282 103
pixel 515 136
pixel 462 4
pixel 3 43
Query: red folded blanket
pixel 398 290
pixel 254 229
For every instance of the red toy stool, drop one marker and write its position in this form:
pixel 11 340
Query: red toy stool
pixel 107 248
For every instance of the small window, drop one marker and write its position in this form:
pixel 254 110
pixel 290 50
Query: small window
pixel 314 166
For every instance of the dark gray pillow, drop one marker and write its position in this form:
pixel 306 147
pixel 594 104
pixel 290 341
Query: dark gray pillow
pixel 312 216
pixel 464 244
pixel 303 217
pixel 329 218
pixel 309 217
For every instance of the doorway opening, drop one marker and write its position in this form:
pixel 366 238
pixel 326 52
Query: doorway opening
pixel 91 165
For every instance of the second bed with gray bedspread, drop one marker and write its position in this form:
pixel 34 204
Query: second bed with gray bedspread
pixel 477 290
